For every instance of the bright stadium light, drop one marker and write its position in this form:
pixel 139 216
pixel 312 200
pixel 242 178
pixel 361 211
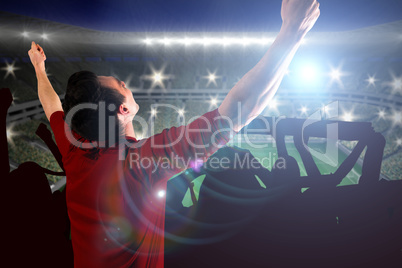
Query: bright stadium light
pixel 336 75
pixel 371 80
pixel 265 41
pixel 246 41
pixel 303 110
pixel 25 34
pixel 157 77
pixel 10 69
pixel 153 112
pixel 166 41
pixel 161 193
pixel 181 112
pixel 308 73
pixel 396 118
pixel 211 78
pixel 148 41
pixel 207 41
pixel 398 142
pixel 186 41
pixel 44 36
pixel 214 101
pixel 381 114
pixel 273 104
pixel 226 41
pixel 348 116
pixel 397 84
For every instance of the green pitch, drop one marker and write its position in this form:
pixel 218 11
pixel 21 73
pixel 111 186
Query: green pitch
pixel 267 156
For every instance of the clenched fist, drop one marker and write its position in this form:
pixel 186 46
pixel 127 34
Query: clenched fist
pixel 300 15
pixel 37 56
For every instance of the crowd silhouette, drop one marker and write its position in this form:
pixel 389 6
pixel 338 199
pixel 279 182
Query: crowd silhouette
pixel 238 223
pixel 34 221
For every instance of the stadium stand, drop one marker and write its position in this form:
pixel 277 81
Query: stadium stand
pixel 368 89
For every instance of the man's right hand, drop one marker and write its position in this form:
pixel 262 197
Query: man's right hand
pixel 300 15
pixel 37 56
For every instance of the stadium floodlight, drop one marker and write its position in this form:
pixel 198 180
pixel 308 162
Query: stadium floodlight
pixel 157 77
pixel 226 41
pixel 381 114
pixel 303 110
pixel 148 41
pixel 308 73
pixel 214 101
pixel 10 69
pixel 371 80
pixel 246 41
pixel 273 104
pixel 211 78
pixel 186 41
pixel 398 142
pixel 265 41
pixel 44 36
pixel 25 34
pixel 154 112
pixel 397 84
pixel 161 193
pixel 166 41
pixel 181 112
pixel 348 116
pixel 207 41
pixel 336 75
pixel 396 118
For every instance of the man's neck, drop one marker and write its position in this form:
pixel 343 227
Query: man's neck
pixel 129 130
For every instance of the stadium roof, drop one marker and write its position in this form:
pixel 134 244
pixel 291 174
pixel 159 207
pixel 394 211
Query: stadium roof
pixel 379 40
pixel 202 16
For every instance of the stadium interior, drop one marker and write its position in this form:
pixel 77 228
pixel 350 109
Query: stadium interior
pixel 177 76
pixel 360 70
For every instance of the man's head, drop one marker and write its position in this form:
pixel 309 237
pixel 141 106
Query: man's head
pixel 129 107
pixel 104 91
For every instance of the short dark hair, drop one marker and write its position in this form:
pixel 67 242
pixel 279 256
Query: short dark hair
pixel 85 87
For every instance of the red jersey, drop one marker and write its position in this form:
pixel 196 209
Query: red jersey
pixel 116 198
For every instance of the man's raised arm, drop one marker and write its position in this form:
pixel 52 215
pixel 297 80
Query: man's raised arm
pixel 259 85
pixel 48 97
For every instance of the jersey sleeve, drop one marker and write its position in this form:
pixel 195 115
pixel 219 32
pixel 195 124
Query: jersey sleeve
pixel 159 157
pixel 58 125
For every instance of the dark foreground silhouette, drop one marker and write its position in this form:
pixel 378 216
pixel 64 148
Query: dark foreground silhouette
pixel 238 223
pixel 34 223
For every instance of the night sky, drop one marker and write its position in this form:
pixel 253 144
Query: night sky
pixel 202 16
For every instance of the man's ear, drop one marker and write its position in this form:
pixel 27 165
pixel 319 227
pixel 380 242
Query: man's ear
pixel 123 109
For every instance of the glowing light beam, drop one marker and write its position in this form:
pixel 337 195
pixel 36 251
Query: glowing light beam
pixel 211 78
pixel 10 69
pixel 371 80
pixel 348 117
